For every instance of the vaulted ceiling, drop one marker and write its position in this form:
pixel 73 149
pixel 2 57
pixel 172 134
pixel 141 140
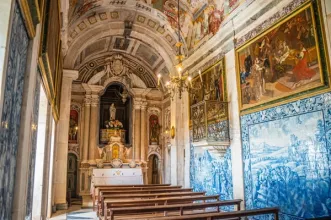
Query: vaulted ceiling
pixel 143 33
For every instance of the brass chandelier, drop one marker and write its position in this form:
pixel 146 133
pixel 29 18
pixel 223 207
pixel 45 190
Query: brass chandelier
pixel 181 82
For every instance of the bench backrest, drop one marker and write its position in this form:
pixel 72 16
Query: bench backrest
pixel 165 208
pixel 158 201
pixel 224 215
pixel 100 204
pixel 143 191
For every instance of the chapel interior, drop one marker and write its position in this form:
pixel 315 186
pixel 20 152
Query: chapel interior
pixel 165 109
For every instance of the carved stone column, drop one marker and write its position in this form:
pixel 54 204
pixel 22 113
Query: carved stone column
pixel 93 128
pixel 60 177
pixel 87 111
pixel 143 137
pixel 137 151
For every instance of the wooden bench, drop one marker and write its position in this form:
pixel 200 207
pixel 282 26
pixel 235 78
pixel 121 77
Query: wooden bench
pixel 166 208
pixel 132 192
pixel 98 188
pixel 222 215
pixel 108 203
pixel 100 205
pixel 158 201
pixel 134 185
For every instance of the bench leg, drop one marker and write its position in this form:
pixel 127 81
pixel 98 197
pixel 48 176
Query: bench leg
pixel 105 213
pixel 276 216
pixel 181 211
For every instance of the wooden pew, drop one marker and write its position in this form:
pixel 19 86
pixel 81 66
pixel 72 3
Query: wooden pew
pixel 158 201
pixel 100 205
pixel 135 185
pixel 98 188
pixel 109 203
pixel 221 215
pixel 132 192
pixel 166 208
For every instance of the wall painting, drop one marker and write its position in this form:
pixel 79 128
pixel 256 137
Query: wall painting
pixel 284 62
pixel 212 83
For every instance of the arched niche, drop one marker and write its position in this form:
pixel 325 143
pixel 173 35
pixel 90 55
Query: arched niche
pixel 154 130
pixel 116 93
pixel 73 126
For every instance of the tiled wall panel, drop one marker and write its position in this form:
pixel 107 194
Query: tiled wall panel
pixel 10 118
pixel 287 153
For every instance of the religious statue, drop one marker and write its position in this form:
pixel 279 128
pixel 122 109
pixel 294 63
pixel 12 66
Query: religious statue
pixel 154 130
pixel 112 123
pixel 73 130
pixel 112 112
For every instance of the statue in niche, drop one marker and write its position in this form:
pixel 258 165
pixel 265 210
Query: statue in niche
pixel 73 126
pixel 154 130
pixel 112 112
pixel 113 123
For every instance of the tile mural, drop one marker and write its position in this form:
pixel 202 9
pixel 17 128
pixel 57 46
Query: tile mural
pixel 210 173
pixel 11 115
pixel 286 152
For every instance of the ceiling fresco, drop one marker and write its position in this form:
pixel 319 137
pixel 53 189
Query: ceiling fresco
pixel 200 19
pixel 97 28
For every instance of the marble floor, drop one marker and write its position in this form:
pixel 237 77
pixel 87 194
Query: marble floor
pixel 74 212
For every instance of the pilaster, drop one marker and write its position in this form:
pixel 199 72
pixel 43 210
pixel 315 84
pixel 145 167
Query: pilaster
pixel 87 111
pixel 137 121
pixel 143 136
pixel 60 178
pixel 93 127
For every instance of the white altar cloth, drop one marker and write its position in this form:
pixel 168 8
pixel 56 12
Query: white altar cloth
pixel 116 176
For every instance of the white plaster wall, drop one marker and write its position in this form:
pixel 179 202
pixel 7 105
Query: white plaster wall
pixel 40 151
pixel 50 200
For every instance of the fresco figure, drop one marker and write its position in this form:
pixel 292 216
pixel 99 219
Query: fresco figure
pixel 215 20
pixel 301 70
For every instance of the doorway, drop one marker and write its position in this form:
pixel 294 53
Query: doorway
pixel 72 175
pixel 153 171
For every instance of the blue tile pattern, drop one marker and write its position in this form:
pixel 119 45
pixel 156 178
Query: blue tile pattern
pixel 33 148
pixel 287 153
pixel 211 173
pixel 219 131
pixel 13 93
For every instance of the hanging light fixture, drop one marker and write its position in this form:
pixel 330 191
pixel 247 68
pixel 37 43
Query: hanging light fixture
pixel 180 82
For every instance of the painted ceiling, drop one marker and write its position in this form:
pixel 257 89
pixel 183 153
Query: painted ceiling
pixel 199 19
pixel 96 28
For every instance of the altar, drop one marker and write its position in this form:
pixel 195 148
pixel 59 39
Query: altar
pixel 115 167
pixel 117 176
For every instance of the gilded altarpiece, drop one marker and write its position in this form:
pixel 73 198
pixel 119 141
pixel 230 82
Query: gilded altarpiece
pixel 209 109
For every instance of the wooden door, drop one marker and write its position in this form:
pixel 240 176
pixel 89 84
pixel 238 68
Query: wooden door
pixel 72 175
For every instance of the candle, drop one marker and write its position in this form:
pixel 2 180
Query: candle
pixel 158 79
pixel 190 80
pixel 200 75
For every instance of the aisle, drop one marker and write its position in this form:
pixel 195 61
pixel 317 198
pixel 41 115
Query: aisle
pixel 74 212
